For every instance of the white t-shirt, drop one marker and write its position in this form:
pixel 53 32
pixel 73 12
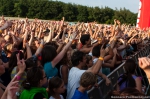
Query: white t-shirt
pixel 61 97
pixel 94 61
pixel 73 81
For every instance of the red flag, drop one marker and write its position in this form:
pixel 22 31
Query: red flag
pixel 143 20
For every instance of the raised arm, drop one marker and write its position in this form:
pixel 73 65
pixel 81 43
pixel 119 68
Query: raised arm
pixel 50 36
pixel 104 77
pixel 38 51
pixel 25 38
pixel 110 54
pixel 144 63
pixel 5 26
pixel 113 31
pixel 39 35
pixel 62 53
pixel 29 53
pixel 61 44
pixel 122 46
pixel 31 39
pixel 96 67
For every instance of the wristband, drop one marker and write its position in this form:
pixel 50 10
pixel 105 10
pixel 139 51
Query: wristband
pixel 101 58
pixel 18 77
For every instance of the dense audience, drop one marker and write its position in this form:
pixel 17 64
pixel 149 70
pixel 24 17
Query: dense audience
pixel 57 60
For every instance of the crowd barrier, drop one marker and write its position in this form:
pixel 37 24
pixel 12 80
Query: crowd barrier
pixel 102 92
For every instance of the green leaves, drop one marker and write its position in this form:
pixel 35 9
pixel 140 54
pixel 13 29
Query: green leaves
pixel 48 9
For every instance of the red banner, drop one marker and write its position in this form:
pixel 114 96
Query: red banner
pixel 143 20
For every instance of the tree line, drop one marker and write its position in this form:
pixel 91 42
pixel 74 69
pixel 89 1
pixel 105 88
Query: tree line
pixel 55 10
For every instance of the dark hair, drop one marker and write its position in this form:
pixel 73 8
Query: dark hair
pixel 13 60
pixel 31 62
pixel 88 58
pixel 130 67
pixel 84 38
pixel 77 57
pixel 64 60
pixel 48 54
pixel 96 51
pixel 52 43
pixel 73 46
pixel 33 48
pixel 20 46
pixel 126 92
pixel 34 75
pixel 54 82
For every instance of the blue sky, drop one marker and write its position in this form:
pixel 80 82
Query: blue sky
pixel 132 5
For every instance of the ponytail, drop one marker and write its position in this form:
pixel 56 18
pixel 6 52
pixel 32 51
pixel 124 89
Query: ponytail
pixel 128 79
pixel 26 84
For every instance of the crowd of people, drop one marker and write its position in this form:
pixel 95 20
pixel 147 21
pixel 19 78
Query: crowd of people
pixel 57 60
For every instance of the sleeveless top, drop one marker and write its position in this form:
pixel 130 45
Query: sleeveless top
pixel 123 85
pixel 62 75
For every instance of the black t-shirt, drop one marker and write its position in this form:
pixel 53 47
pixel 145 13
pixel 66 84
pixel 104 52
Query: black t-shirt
pixel 6 78
pixel 38 96
pixel 134 46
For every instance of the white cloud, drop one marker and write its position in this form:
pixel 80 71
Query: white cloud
pixel 132 5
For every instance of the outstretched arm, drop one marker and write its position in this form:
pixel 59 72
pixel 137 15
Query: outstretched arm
pixel 62 53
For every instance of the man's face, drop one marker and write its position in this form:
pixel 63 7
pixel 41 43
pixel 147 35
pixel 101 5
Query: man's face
pixel 36 43
pixel 84 61
pixel 89 42
pixel 3 43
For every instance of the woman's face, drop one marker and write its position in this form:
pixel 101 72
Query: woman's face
pixel 90 64
pixel 61 89
pixel 89 42
pixel 3 43
pixel 37 44
pixel 69 55
pixel 44 80
pixel 2 68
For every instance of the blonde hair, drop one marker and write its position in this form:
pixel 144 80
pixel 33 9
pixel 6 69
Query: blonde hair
pixel 87 79
pixel 8 47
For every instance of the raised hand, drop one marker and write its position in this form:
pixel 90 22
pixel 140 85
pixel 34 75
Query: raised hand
pixel 12 88
pixel 118 22
pixel 61 41
pixel 115 21
pixel 102 51
pixel 74 35
pixel 6 25
pixel 21 64
pixel 144 63
pixel 63 18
